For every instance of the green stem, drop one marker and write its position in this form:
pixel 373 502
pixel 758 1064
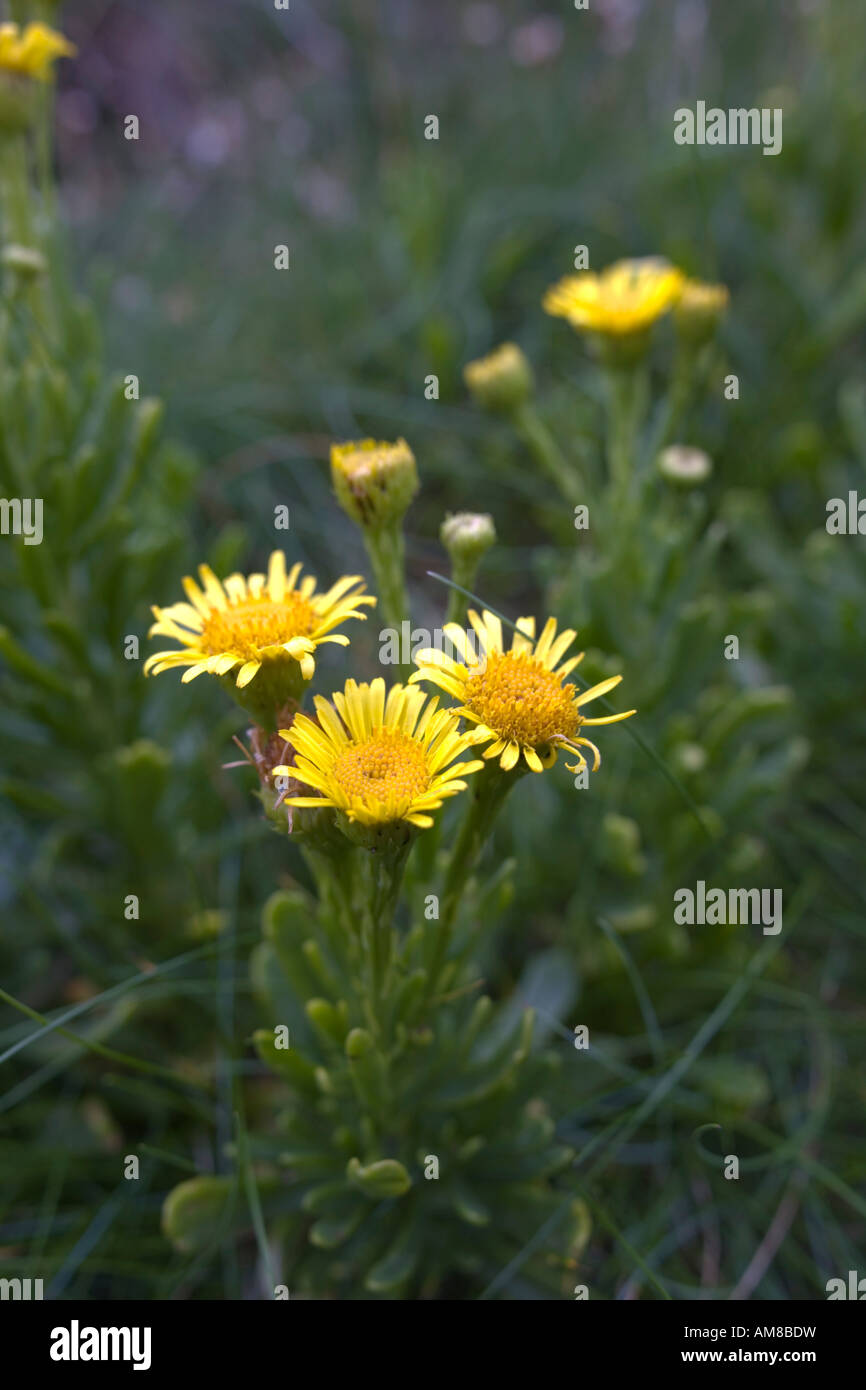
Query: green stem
pixel 386 549
pixel 676 401
pixel 333 872
pixel 463 572
pixel 489 788
pixel 385 875
pixel 546 452
pixel 626 404
pixel 19 227
pixel 17 211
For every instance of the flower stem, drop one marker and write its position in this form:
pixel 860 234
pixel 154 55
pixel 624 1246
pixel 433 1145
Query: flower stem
pixel 546 452
pixel 387 556
pixel 464 573
pixel 385 874
pixel 17 212
pixel 675 402
pixel 626 405
pixel 490 787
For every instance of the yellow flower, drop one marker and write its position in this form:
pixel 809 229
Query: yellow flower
pixel 261 621
pixel 517 698
pixel 626 298
pixel 378 759
pixel 32 52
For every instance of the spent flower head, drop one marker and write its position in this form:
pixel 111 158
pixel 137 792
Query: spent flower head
pixel 517 698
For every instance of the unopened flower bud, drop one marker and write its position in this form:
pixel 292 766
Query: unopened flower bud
pixel 374 481
pixel 699 310
pixel 502 381
pixel 25 261
pixel 684 466
pixel 467 535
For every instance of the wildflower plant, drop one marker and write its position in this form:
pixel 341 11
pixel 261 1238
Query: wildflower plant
pixel 343 982
pixel 644 561
pixel 415 1109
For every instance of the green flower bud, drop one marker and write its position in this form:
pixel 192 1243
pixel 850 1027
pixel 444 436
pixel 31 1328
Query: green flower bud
pixel 466 536
pixel 684 466
pixel 205 925
pixel 699 310
pixel 502 381
pixel 620 836
pixel 374 481
pixel 25 261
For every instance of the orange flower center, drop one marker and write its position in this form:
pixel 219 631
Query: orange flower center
pixel 521 700
pixel 244 628
pixel 387 766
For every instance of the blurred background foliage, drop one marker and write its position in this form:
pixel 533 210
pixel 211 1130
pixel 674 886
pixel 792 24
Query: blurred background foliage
pixel 409 257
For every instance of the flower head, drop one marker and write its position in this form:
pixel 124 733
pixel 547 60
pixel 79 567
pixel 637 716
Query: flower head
pixel 684 466
pixel 502 380
pixel 31 52
pixel 264 628
pixel 626 298
pixel 379 759
pixel 516 698
pixel 374 481
pixel 467 536
pixel 699 309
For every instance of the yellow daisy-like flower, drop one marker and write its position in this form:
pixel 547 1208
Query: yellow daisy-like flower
pixel 379 759
pixel 247 624
pixel 517 698
pixel 626 298
pixel 31 52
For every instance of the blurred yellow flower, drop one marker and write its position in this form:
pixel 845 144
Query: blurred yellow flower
pixel 516 698
pixel 626 298
pixel 258 621
pixel 378 759
pixel 32 52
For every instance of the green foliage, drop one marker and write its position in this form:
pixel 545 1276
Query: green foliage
pixel 409 258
